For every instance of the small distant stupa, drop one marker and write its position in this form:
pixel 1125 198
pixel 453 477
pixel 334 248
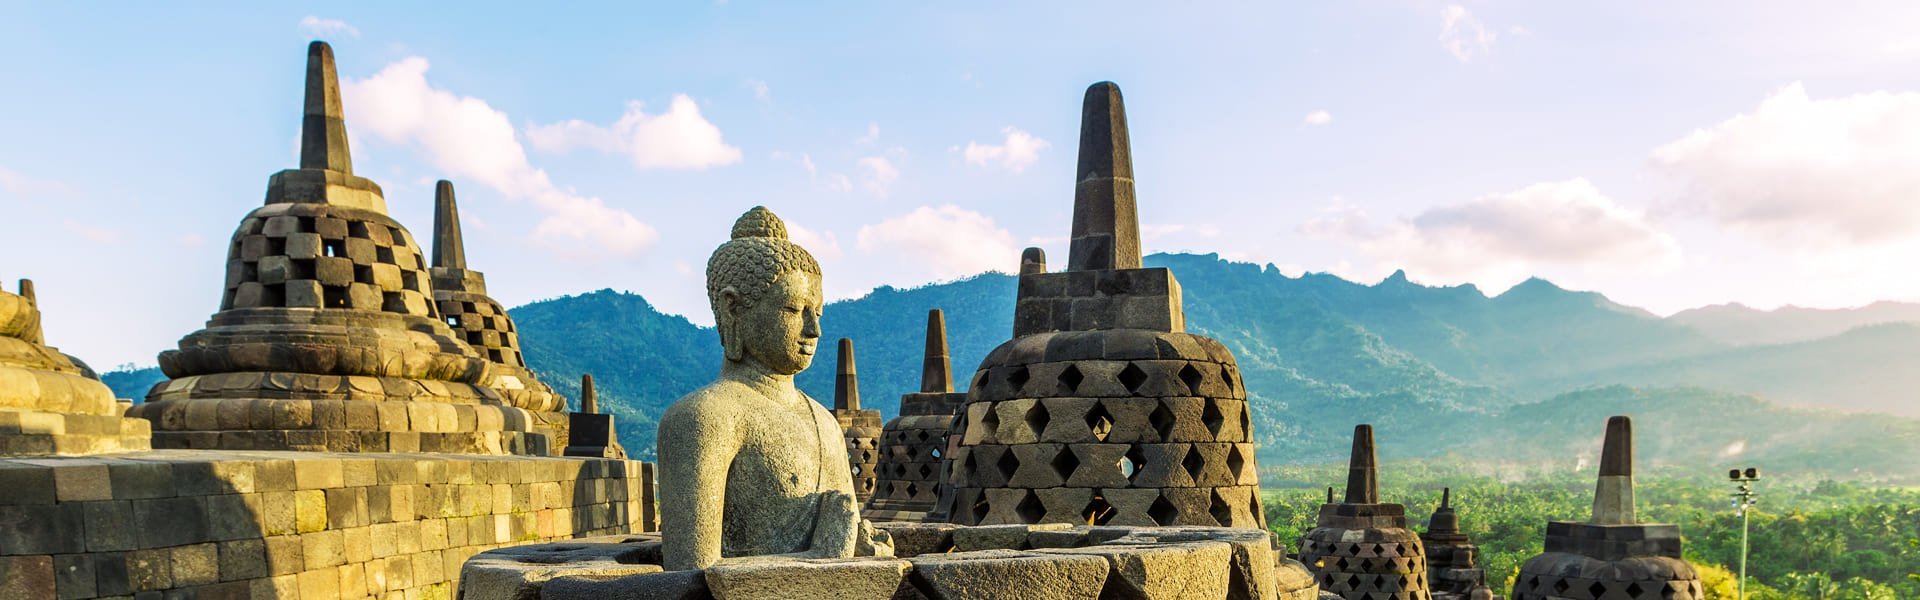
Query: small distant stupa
pixel 51 404
pixel 1452 569
pixel 1361 548
pixel 862 427
pixel 1613 555
pixel 328 337
pixel 912 476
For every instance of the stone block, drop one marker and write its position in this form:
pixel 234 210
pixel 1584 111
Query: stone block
pixel 309 510
pixel 811 580
pixel 26 484
pixel 196 564
pixel 669 585
pixel 323 549
pixel 231 517
pixel 109 526
pixel 985 575
pixel 42 529
pixel 20 576
pixel 319 584
pixel 318 474
pixel 243 559
pixel 80 481
pixel 133 480
pixel 149 570
pixel 999 537
pixel 346 507
pixel 1187 571
pixel 284 555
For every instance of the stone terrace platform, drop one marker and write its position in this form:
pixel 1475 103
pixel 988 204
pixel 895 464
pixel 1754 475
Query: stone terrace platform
pixel 270 524
pixel 935 561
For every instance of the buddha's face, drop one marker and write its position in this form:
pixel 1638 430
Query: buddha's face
pixel 781 328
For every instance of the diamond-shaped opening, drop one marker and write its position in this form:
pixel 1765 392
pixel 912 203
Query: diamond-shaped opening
pixel 1222 511
pixel 1326 579
pixel 921 435
pixel 1162 421
pixel 1098 511
pixel 980 381
pixel 1030 509
pixel 980 509
pixel 1162 511
pixel 1212 416
pixel 1065 463
pixel 1634 589
pixel 968 466
pixel 1533 583
pixel 925 471
pixel 1669 592
pixel 1246 422
pixel 1070 379
pixel 990 421
pixel 1007 464
pixel 1133 377
pixel 913 490
pixel 1017 379
pixel 1193 463
pixel 1235 461
pixel 1100 421
pixel 1597 589
pixel 1131 463
pixel 1037 418
pixel 858 469
pixel 1226 376
pixel 899 470
pixel 1353 581
pixel 1340 564
pixel 1193 379
pixel 1560 586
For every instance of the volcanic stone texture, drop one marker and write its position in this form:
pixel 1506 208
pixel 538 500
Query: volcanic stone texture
pixel 192 524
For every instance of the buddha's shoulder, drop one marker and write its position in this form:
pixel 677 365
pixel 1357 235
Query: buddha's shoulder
pixel 718 400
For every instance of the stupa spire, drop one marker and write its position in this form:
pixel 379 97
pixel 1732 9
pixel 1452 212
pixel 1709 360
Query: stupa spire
pixel 589 401
pixel 448 250
pixel 1613 493
pixel 846 383
pixel 936 369
pixel 1362 485
pixel 323 128
pixel 1106 226
pixel 33 334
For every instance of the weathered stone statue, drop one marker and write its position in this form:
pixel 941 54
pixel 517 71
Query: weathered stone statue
pixel 750 465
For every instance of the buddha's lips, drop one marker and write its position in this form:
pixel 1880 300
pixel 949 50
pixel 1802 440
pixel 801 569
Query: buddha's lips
pixel 807 348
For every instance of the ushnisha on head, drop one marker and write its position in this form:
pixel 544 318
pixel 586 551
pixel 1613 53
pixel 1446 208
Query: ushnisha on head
pixel 765 291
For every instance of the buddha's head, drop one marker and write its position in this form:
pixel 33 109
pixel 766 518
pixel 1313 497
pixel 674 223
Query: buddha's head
pixel 766 297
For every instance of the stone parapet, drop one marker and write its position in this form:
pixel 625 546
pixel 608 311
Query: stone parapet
pixel 932 561
pixel 293 524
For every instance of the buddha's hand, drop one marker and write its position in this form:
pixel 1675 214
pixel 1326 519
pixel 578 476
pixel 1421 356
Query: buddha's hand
pixel 836 525
pixel 872 541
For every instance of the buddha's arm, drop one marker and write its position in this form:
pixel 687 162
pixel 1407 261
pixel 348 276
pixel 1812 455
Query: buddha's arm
pixel 696 448
pixel 838 520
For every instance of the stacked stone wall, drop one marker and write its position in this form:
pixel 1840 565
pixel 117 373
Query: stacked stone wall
pixel 296 525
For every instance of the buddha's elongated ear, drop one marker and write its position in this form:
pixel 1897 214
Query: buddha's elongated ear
pixel 727 323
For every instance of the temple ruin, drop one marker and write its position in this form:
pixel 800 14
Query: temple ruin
pixel 1362 548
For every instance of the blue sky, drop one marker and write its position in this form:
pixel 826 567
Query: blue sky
pixel 1669 155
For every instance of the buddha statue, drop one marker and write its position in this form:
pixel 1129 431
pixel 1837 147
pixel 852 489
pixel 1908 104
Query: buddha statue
pixel 750 465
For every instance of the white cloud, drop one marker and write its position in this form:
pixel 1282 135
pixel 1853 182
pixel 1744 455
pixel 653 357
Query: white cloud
pixel 760 90
pixel 877 174
pixel 1019 151
pixel 1318 117
pixel 328 27
pixel 824 246
pixel 472 141
pixel 1498 240
pixel 1463 35
pixel 945 241
pixel 15 182
pixel 1811 173
pixel 677 139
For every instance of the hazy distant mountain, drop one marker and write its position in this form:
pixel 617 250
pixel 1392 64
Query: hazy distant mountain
pixel 1437 370
pixel 1742 325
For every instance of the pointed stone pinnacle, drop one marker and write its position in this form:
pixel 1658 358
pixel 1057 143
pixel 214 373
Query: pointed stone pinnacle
pixel 1106 224
pixel 1362 486
pixel 448 250
pixel 846 383
pixel 589 401
pixel 1446 498
pixel 26 291
pixel 1613 493
pixel 936 369
pixel 33 334
pixel 323 129
pixel 1033 261
pixel 1329 494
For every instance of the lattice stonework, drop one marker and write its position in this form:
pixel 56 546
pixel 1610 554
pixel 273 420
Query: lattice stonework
pixel 310 255
pixel 862 429
pixel 1551 586
pixel 1376 564
pixel 483 324
pixel 1141 428
pixel 909 473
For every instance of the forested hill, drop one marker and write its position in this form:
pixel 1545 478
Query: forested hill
pixel 1438 370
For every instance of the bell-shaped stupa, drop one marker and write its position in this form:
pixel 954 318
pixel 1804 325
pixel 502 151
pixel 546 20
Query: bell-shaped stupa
pixel 1453 570
pixel 1102 409
pixel 1614 555
pixel 861 427
pixel 1361 548
pixel 912 476
pixel 328 337
pixel 51 404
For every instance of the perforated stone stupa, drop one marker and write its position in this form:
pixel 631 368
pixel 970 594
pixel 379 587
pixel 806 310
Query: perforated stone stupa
pixel 1361 548
pixel 328 336
pixel 1613 555
pixel 1453 572
pixel 1102 409
pixel 49 403
pixel 862 427
pixel 911 475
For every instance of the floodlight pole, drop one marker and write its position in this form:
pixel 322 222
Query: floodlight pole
pixel 1743 500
